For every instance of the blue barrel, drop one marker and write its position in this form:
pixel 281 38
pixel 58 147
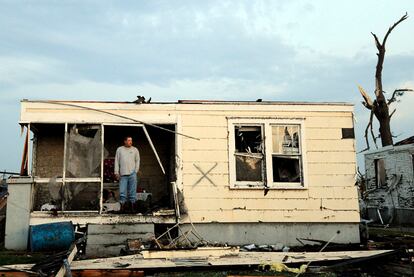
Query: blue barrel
pixel 51 236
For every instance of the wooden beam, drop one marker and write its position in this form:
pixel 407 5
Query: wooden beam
pixel 153 149
pixel 63 268
pixel 199 252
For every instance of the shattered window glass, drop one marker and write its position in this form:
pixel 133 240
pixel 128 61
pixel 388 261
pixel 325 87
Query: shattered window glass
pixel 286 169
pixel 286 156
pixel 248 139
pixel 285 139
pixel 82 196
pixel 249 168
pixel 84 147
pixel 48 196
pixel 249 153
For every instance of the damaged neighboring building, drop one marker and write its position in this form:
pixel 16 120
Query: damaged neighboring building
pixel 389 194
pixel 239 172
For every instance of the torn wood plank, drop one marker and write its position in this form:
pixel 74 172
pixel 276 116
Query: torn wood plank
pixel 187 253
pixel 153 149
pixel 243 258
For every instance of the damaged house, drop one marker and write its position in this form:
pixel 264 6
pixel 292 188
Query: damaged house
pixel 389 194
pixel 239 172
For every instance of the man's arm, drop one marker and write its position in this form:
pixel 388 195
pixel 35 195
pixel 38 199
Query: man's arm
pixel 137 160
pixel 116 167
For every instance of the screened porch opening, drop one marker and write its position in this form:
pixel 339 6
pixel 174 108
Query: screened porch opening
pixel 154 190
pixel 73 167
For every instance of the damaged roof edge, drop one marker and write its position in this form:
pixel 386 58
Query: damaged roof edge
pixel 215 102
pixel 388 148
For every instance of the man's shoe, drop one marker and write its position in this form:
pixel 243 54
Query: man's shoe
pixel 122 210
pixel 128 207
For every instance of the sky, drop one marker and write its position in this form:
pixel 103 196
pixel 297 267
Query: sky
pixel 228 50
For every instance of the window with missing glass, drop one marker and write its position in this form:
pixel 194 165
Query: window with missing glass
pixel 248 153
pixel 286 154
pixel 266 153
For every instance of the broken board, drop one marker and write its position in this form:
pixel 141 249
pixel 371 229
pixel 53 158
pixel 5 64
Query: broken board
pixel 190 253
pixel 136 262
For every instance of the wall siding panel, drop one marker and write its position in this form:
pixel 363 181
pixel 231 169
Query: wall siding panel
pixel 330 197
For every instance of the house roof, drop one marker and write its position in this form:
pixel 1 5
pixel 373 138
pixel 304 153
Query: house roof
pixel 409 140
pixel 257 102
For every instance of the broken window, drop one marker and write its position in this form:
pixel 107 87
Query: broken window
pixel 84 148
pixel 286 154
pixel 249 153
pixel 79 196
pixel 48 196
pixel 380 173
pixel 265 153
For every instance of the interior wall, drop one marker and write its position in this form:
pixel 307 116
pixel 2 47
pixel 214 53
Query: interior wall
pixel 49 144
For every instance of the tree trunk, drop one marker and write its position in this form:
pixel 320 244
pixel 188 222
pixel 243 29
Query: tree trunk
pixel 382 114
pixel 385 131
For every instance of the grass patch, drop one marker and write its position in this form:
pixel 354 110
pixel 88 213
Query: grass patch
pixel 8 257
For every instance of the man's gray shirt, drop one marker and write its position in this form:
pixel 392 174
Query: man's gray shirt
pixel 127 160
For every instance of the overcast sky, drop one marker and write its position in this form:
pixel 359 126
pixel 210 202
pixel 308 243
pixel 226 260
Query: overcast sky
pixel 169 50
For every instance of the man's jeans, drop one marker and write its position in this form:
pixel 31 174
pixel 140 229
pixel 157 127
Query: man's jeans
pixel 128 185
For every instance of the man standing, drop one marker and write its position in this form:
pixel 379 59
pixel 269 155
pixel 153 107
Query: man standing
pixel 127 162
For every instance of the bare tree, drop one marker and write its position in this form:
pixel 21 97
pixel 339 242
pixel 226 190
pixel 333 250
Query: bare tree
pixel 380 105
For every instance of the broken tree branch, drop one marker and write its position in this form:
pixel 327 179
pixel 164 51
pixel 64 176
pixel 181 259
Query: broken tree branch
pixel 377 43
pixel 366 131
pixel 374 138
pixel 398 93
pixel 367 100
pixel 381 54
pixel 369 130
pixel 404 17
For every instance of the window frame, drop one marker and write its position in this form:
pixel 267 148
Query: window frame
pixel 272 154
pixel 232 151
pixel 267 123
